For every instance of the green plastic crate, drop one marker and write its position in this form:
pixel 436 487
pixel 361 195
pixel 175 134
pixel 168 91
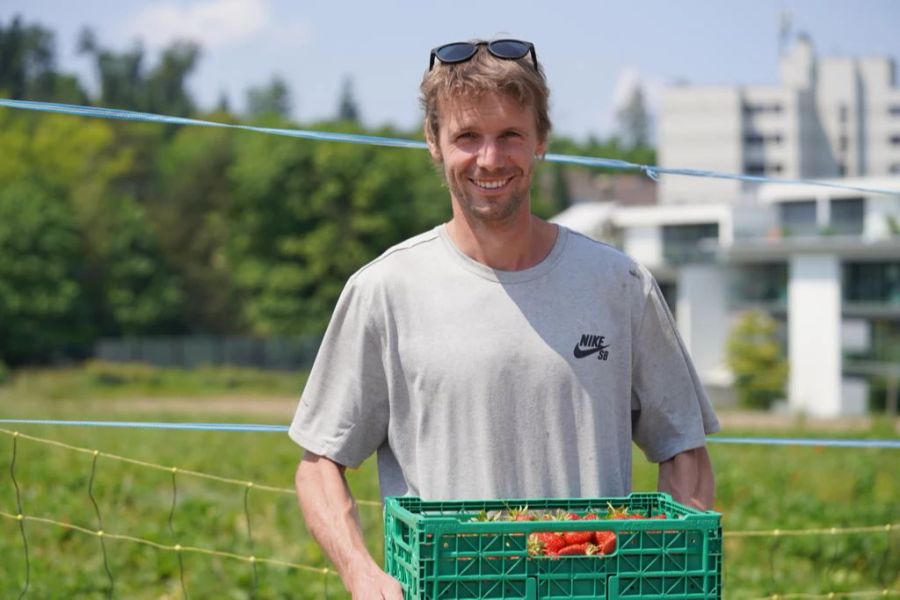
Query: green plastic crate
pixel 438 552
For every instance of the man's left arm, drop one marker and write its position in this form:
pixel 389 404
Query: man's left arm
pixel 688 477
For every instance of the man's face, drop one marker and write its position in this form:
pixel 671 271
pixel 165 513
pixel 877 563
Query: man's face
pixel 487 147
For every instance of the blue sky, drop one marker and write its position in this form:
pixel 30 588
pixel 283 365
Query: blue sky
pixel 593 52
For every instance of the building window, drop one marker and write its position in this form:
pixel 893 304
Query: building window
pixel 755 109
pixel 848 215
pixel 872 282
pixel 752 139
pixel 894 110
pixel 755 169
pixel 798 217
pixel 760 283
pixel 895 168
pixel 844 143
pixel 842 113
pixel 895 140
pixel 682 243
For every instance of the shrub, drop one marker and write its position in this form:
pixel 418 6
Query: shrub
pixel 757 360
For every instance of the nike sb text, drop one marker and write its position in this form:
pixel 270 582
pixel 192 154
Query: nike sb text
pixel 589 344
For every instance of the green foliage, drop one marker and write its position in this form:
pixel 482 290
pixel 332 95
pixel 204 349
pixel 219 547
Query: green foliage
pixel 27 65
pixel 5 373
pixel 757 361
pixel 42 304
pixel 138 293
pixel 305 217
pixel 274 99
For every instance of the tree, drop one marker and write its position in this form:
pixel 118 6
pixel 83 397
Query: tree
pixel 28 66
pixel 757 360
pixel 306 216
pixel 42 304
pixel 125 83
pixel 348 110
pixel 634 120
pixel 270 100
pixel 190 212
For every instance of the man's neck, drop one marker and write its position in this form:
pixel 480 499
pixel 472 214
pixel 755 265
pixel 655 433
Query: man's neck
pixel 514 245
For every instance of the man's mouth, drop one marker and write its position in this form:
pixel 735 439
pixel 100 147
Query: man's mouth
pixel 491 184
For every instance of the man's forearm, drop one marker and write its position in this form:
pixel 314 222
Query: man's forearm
pixel 332 518
pixel 689 478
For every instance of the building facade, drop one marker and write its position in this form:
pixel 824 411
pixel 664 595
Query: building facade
pixel 823 261
pixel 826 118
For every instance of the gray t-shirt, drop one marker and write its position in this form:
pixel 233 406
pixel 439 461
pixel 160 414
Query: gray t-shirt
pixel 471 382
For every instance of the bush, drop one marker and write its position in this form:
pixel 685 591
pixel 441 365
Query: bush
pixel 757 361
pixel 5 373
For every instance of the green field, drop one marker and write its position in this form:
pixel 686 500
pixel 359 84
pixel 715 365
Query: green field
pixel 761 488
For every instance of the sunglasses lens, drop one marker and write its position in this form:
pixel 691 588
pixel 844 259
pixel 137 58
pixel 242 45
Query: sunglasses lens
pixel 456 52
pixel 511 49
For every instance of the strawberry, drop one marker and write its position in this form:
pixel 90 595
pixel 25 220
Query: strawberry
pixel 606 542
pixel 578 537
pixel 578 550
pixel 545 543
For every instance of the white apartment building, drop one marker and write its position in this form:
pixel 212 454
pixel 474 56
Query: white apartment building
pixel 824 262
pixel 827 117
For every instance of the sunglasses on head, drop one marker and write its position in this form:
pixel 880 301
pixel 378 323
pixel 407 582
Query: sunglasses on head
pixel 458 52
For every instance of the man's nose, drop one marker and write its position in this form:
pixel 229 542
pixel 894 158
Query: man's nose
pixel 491 154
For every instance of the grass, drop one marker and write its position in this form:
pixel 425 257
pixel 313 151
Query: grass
pixel 759 488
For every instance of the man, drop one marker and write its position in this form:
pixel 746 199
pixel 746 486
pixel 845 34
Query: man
pixel 497 355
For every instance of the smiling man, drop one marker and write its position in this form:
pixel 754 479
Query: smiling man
pixel 497 355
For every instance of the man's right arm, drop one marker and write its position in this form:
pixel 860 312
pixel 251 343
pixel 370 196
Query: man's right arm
pixel 333 519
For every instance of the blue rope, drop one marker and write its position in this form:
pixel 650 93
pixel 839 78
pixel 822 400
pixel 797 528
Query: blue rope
pixel 373 140
pixel 858 443
pixel 809 442
pixel 150 425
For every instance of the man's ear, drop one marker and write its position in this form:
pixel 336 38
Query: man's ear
pixel 433 147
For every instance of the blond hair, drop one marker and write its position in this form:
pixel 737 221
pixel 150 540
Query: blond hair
pixel 484 73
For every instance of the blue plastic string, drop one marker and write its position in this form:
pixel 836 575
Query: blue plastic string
pixel 651 171
pixel 247 427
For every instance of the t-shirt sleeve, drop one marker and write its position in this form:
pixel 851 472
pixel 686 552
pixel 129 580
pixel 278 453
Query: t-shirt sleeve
pixel 343 411
pixel 675 413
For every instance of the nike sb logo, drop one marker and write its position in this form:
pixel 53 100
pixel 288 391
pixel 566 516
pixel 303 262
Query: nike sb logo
pixel 590 344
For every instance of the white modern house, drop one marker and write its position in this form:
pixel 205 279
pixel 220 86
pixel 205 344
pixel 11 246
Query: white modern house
pixel 823 261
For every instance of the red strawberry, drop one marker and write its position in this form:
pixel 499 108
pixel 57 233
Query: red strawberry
pixel 606 542
pixel 578 537
pixel 545 543
pixel 578 550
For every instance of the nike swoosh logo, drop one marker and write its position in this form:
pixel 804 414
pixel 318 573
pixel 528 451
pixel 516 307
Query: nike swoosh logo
pixel 581 353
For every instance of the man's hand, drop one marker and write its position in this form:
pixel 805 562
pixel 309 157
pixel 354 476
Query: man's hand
pixel 374 584
pixel 331 516
pixel 688 477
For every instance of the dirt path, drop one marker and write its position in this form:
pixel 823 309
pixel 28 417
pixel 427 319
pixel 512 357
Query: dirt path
pixel 281 409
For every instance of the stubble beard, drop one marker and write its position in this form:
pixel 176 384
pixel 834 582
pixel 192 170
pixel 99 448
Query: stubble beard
pixel 494 211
